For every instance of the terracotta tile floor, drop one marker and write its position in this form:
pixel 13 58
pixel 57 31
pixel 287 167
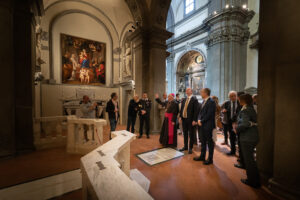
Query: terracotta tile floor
pixel 181 178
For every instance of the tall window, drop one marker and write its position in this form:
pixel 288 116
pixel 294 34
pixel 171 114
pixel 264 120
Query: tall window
pixel 189 6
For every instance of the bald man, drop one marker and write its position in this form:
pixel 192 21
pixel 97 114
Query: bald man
pixel 188 117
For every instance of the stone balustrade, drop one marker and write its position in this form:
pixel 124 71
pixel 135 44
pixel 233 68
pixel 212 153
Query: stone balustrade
pixel 84 135
pixel 105 171
pixel 50 132
pixel 80 135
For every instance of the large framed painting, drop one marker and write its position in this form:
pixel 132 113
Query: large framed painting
pixel 83 61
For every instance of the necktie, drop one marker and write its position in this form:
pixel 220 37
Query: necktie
pixel 233 109
pixel 185 108
pixel 203 103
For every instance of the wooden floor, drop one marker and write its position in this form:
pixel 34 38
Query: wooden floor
pixel 181 178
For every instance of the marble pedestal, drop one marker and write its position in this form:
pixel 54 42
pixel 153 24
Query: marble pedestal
pixel 76 141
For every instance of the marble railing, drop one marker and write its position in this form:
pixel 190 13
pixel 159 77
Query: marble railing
pixel 105 171
pixel 84 135
pixel 78 134
pixel 50 132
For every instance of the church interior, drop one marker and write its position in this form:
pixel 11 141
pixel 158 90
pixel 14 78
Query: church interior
pixel 67 62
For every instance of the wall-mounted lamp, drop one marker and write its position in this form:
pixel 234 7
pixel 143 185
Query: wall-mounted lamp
pixel 227 6
pixel 244 6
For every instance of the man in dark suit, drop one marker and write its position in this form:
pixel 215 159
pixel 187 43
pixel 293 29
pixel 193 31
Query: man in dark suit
pixel 199 127
pixel 188 117
pixel 144 113
pixel 231 109
pixel 112 108
pixel 133 108
pixel 206 121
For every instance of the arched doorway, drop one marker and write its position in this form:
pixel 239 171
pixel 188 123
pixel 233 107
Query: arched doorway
pixel 191 72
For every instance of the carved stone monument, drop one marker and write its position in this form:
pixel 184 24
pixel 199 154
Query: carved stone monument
pixel 127 61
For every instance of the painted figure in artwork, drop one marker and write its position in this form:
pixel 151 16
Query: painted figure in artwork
pixel 75 65
pixel 85 68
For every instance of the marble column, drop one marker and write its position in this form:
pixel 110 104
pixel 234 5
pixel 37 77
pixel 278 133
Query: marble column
pixel 171 74
pixel 227 49
pixel 7 114
pixel 278 153
pixel 149 61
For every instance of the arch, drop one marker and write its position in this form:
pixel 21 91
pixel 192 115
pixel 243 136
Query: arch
pixel 64 13
pixel 86 3
pixel 170 20
pixel 186 51
pixel 139 11
pixel 123 32
pixel 189 73
pixel 180 5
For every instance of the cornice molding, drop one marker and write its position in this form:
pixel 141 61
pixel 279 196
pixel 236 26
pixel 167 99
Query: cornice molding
pixel 187 36
pixel 193 44
pixel 155 36
pixel 236 13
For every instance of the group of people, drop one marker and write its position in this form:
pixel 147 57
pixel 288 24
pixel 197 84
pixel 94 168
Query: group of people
pixel 237 116
pixel 137 106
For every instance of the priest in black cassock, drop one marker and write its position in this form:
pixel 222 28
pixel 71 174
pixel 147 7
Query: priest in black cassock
pixel 168 134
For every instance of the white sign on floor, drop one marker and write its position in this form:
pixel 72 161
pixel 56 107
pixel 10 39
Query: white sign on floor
pixel 159 155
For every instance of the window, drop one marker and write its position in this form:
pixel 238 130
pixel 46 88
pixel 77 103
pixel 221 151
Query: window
pixel 189 6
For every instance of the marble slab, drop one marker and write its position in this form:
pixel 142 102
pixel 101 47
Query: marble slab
pixel 44 188
pixel 142 180
pixel 105 171
pixel 159 155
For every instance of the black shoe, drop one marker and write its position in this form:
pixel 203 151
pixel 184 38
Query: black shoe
pixel 230 153
pixel 199 158
pixel 148 136
pixel 208 162
pixel 224 143
pixel 239 166
pixel 183 149
pixel 140 136
pixel 245 181
pixel 190 151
